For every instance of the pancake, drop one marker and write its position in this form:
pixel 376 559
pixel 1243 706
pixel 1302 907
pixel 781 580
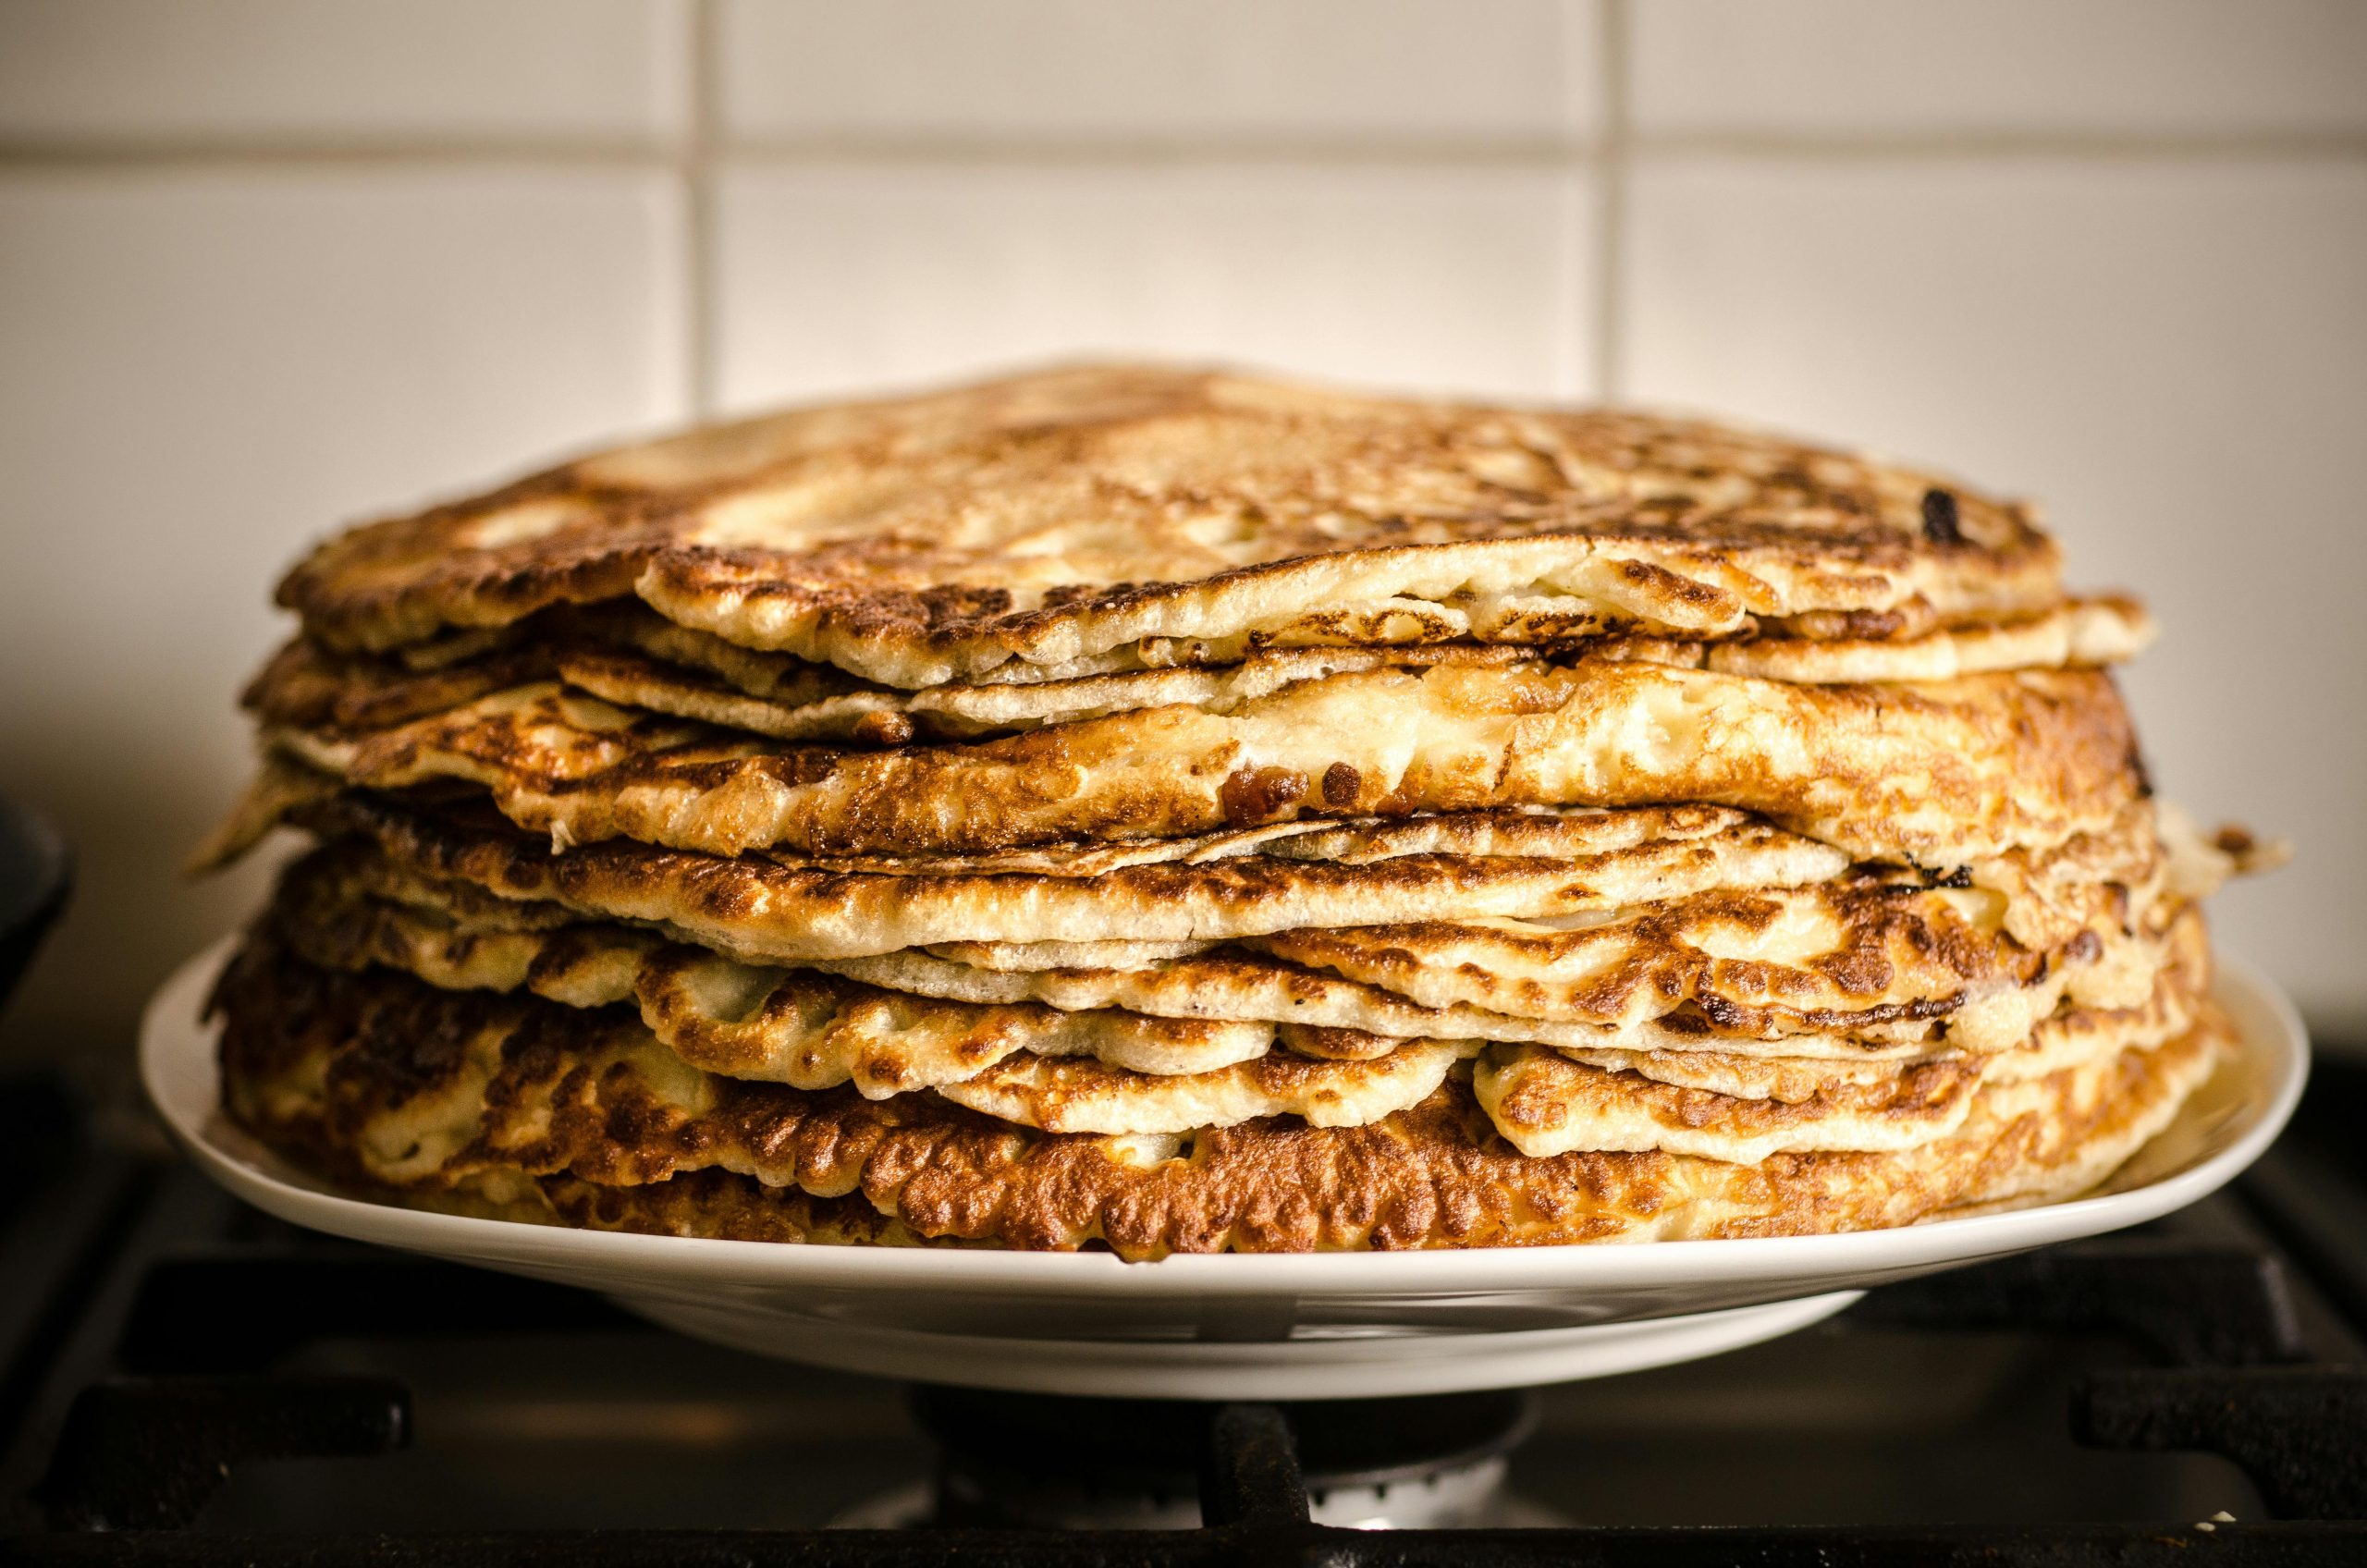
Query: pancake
pixel 814 1028
pixel 1063 514
pixel 1170 810
pixel 922 1020
pixel 794 1026
pixel 640 661
pixel 2072 1034
pixel 1546 1102
pixel 653 664
pixel 1532 833
pixel 305 685
pixel 1806 960
pixel 1844 957
pixel 1085 1096
pixel 813 1033
pixel 1543 1103
pixel 766 913
pixel 1948 771
pixel 1862 957
pixel 700 1203
pixel 391 1084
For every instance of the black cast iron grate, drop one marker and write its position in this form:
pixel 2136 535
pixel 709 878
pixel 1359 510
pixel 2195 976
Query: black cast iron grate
pixel 165 1388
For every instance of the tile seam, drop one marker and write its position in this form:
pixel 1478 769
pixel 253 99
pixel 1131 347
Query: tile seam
pixel 1610 210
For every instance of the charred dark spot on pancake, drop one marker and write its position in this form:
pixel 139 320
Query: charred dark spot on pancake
pixel 2233 840
pixel 1940 517
pixel 1341 783
pixel 2085 947
pixel 1672 585
pixel 883 729
pixel 1251 795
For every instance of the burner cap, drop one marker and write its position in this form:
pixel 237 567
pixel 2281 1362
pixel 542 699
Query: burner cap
pixel 1052 1461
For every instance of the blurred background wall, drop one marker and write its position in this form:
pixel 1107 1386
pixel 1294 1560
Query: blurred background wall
pixel 270 265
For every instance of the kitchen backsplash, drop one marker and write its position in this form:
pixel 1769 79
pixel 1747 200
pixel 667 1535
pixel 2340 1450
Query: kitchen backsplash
pixel 270 265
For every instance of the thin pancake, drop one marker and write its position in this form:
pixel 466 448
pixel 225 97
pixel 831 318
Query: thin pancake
pixel 641 661
pixel 698 1202
pixel 764 913
pixel 793 1026
pixel 390 1082
pixel 1085 1096
pixel 1829 969
pixel 1835 955
pixel 1545 1104
pixel 1947 772
pixel 344 907
pixel 1054 516
pixel 2072 1034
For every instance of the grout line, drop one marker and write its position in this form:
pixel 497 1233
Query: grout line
pixel 698 200
pixel 706 146
pixel 426 152
pixel 1946 146
pixel 707 141
pixel 1549 151
pixel 1611 212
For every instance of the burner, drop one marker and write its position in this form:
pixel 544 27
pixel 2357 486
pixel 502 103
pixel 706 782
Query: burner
pixel 185 1381
pixel 1038 1462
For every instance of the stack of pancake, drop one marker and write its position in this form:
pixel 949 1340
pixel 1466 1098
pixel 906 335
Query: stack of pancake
pixel 1176 812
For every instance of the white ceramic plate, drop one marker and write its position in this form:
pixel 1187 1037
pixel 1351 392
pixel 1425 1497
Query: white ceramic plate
pixel 1325 1325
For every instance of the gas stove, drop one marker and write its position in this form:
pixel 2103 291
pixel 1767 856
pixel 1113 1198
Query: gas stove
pixel 188 1382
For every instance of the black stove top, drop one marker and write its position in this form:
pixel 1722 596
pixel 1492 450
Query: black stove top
pixel 188 1382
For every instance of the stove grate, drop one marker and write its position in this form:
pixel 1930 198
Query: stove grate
pixel 163 1371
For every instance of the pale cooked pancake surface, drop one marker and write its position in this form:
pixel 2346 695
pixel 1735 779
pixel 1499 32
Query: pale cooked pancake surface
pixel 1863 960
pixel 640 661
pixel 1769 964
pixel 1948 771
pixel 1058 515
pixel 814 1031
pixel 389 1081
pixel 763 912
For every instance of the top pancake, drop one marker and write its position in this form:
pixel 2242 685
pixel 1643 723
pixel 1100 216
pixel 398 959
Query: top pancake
pixel 1055 516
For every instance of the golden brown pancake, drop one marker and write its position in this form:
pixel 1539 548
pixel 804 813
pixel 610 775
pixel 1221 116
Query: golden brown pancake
pixel 1847 954
pixel 922 1020
pixel 764 912
pixel 1947 771
pixel 638 660
pixel 380 1080
pixel 1060 515
pixel 1174 810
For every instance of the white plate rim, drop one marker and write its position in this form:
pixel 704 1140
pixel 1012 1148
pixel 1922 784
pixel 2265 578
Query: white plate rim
pixel 176 1064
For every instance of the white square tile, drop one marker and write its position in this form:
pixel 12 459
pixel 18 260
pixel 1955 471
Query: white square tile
pixel 205 373
pixel 344 70
pixel 2024 66
pixel 1392 68
pixel 2172 357
pixel 1453 278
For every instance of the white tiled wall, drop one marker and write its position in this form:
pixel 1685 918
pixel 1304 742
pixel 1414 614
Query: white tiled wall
pixel 80 73
pixel 266 266
pixel 1461 277
pixel 2011 69
pixel 1392 71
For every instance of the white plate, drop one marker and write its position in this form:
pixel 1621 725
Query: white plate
pixel 1295 1325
